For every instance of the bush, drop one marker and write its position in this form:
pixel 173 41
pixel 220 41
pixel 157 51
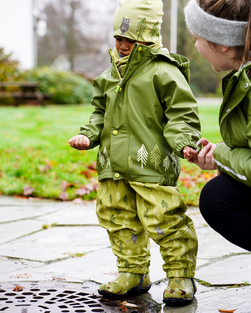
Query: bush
pixel 65 87
pixel 8 68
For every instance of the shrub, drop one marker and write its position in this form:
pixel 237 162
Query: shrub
pixel 8 68
pixel 65 87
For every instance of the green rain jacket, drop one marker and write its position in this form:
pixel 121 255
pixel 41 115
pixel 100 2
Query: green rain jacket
pixel 143 121
pixel 233 156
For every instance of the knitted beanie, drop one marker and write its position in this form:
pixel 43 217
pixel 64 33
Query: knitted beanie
pixel 139 20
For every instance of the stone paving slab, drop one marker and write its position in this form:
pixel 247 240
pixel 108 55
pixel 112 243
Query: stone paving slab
pixel 213 245
pixel 230 271
pixel 14 230
pixel 56 243
pixel 77 214
pixel 228 299
pixel 8 266
pixel 208 300
pixel 32 202
pixel 96 266
pixel 30 254
pixel 28 274
pixel 15 213
pixel 101 266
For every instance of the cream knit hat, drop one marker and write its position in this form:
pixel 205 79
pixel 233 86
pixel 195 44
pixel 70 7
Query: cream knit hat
pixel 139 20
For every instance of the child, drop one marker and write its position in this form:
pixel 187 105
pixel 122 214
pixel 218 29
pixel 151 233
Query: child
pixel 222 31
pixel 145 118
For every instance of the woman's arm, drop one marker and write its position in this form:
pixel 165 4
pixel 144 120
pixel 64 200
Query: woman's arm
pixel 235 162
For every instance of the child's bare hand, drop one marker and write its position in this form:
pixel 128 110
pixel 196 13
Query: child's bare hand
pixel 190 154
pixel 80 142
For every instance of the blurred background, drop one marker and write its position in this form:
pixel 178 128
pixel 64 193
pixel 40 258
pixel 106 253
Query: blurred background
pixel 50 52
pixel 75 35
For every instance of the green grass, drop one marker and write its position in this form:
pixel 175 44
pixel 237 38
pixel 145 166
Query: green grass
pixel 209 122
pixel 35 152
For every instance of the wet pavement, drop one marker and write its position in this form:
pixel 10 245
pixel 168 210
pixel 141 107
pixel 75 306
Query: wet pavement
pixel 59 255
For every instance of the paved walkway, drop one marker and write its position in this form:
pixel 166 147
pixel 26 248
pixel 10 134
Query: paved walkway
pixel 53 242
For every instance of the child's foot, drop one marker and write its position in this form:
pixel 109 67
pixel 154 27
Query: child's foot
pixel 180 291
pixel 126 284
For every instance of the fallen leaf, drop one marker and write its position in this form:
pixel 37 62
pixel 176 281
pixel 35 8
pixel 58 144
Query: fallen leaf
pixel 92 166
pixel 50 163
pixel 88 173
pixel 64 196
pixel 94 183
pixel 58 278
pixel 18 288
pixel 20 196
pixel 104 300
pixel 129 304
pixel 44 168
pixel 227 311
pixel 28 190
pixel 124 308
pixel 84 190
pixel 78 201
pixel 65 184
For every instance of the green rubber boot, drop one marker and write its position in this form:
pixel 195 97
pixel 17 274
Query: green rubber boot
pixel 180 291
pixel 125 285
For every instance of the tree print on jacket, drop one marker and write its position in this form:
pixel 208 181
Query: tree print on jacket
pixel 101 159
pixel 142 155
pixel 166 163
pixel 107 157
pixel 156 156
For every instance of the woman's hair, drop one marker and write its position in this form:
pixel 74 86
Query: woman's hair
pixel 237 10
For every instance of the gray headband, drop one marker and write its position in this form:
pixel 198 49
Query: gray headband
pixel 214 29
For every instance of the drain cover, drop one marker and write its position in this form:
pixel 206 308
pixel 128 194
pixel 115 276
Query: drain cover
pixel 41 298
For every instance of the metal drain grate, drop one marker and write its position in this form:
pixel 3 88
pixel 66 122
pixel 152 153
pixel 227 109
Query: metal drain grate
pixel 42 298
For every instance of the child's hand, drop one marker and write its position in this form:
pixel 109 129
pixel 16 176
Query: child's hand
pixel 190 154
pixel 80 142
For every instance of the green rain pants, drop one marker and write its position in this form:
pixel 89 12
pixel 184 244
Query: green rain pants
pixel 132 212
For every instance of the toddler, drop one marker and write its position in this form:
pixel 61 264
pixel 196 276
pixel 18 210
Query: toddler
pixel 145 119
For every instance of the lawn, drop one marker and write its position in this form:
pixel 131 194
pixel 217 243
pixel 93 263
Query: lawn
pixel 36 159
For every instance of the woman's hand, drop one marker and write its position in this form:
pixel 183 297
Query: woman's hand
pixel 205 157
pixel 80 142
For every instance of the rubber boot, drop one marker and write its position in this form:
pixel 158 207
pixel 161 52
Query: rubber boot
pixel 180 291
pixel 125 285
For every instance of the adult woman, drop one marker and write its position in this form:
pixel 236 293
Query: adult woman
pixel 222 32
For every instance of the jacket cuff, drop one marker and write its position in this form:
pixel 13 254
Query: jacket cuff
pixel 195 145
pixel 94 141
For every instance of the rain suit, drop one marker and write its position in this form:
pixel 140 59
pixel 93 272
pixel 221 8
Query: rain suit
pixel 141 123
